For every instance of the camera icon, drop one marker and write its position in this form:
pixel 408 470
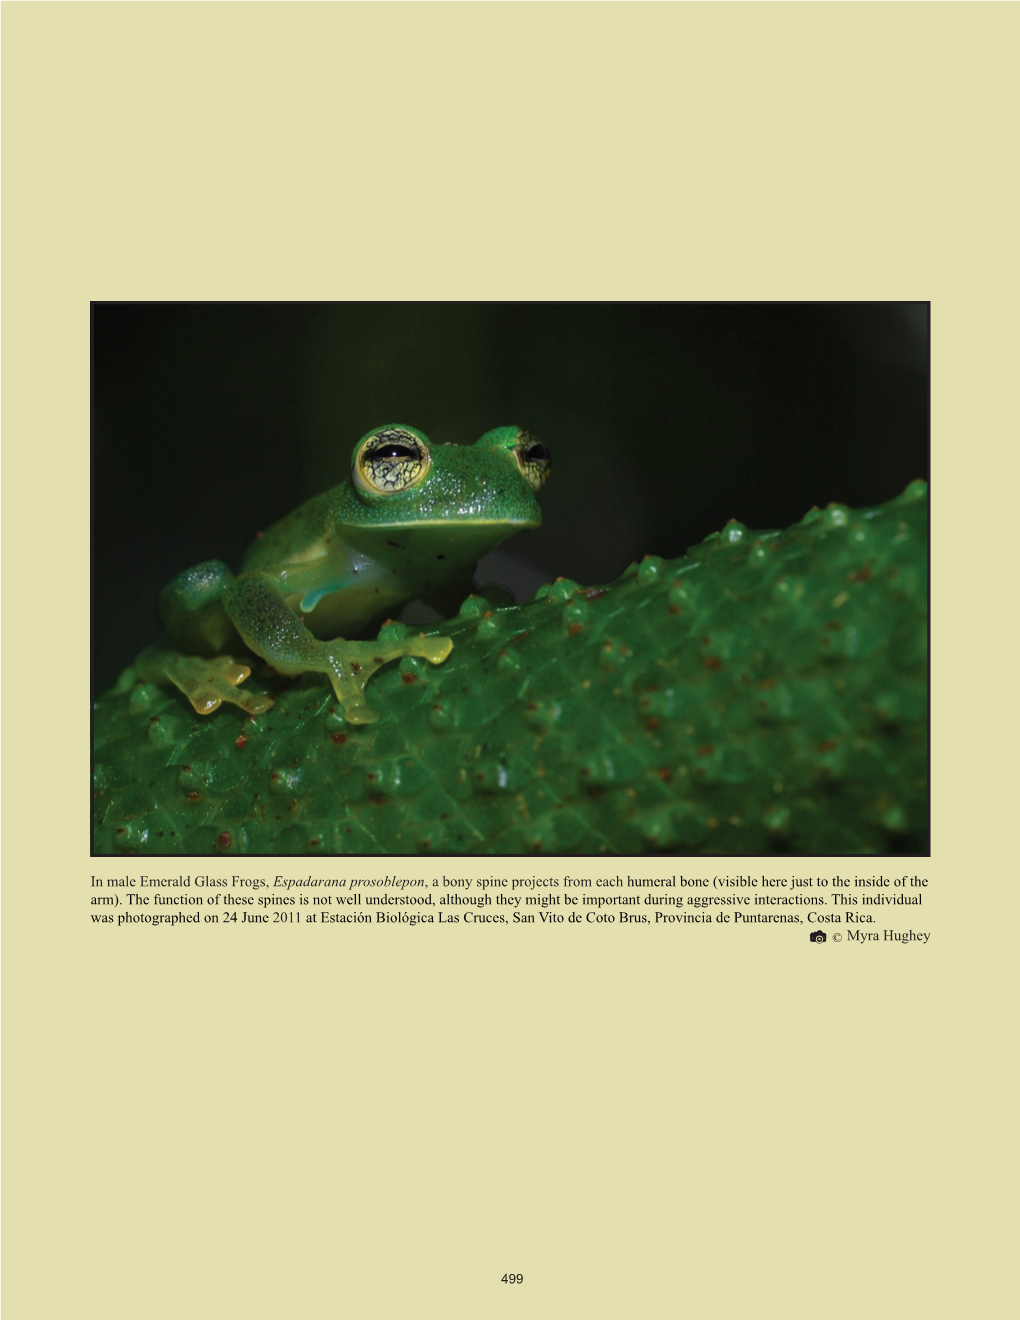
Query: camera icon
pixel 817 937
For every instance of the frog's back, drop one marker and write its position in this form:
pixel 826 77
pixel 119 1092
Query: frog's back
pixel 297 538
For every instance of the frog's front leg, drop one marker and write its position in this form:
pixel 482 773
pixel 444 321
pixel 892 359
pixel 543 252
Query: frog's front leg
pixel 272 630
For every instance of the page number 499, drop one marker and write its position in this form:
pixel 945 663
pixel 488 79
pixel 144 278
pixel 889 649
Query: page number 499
pixel 512 1278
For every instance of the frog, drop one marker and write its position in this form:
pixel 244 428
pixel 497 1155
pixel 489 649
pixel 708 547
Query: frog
pixel 410 523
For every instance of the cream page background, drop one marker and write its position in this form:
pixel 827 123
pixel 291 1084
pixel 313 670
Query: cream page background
pixel 383 1126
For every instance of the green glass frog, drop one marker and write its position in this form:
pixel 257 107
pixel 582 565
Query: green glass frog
pixel 411 523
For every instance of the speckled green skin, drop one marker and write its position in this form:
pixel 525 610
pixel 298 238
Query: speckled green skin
pixel 764 693
pixel 343 563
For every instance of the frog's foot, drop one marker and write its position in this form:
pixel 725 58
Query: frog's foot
pixel 206 683
pixel 352 664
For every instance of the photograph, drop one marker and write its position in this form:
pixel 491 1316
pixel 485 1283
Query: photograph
pixel 510 578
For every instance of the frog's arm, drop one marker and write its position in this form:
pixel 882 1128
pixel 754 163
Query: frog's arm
pixel 272 630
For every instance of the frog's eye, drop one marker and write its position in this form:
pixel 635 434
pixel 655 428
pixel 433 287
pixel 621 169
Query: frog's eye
pixel 389 461
pixel 533 459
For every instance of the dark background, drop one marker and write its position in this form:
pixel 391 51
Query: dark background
pixel 211 421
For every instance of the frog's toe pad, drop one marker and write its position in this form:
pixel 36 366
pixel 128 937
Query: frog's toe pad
pixel 433 649
pixel 358 713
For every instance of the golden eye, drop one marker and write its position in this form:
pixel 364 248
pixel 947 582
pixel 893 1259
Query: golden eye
pixel 533 459
pixel 389 461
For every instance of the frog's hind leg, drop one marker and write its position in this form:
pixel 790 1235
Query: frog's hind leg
pixel 191 610
pixel 206 682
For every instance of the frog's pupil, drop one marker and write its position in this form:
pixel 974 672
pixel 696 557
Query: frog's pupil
pixel 537 454
pixel 393 451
